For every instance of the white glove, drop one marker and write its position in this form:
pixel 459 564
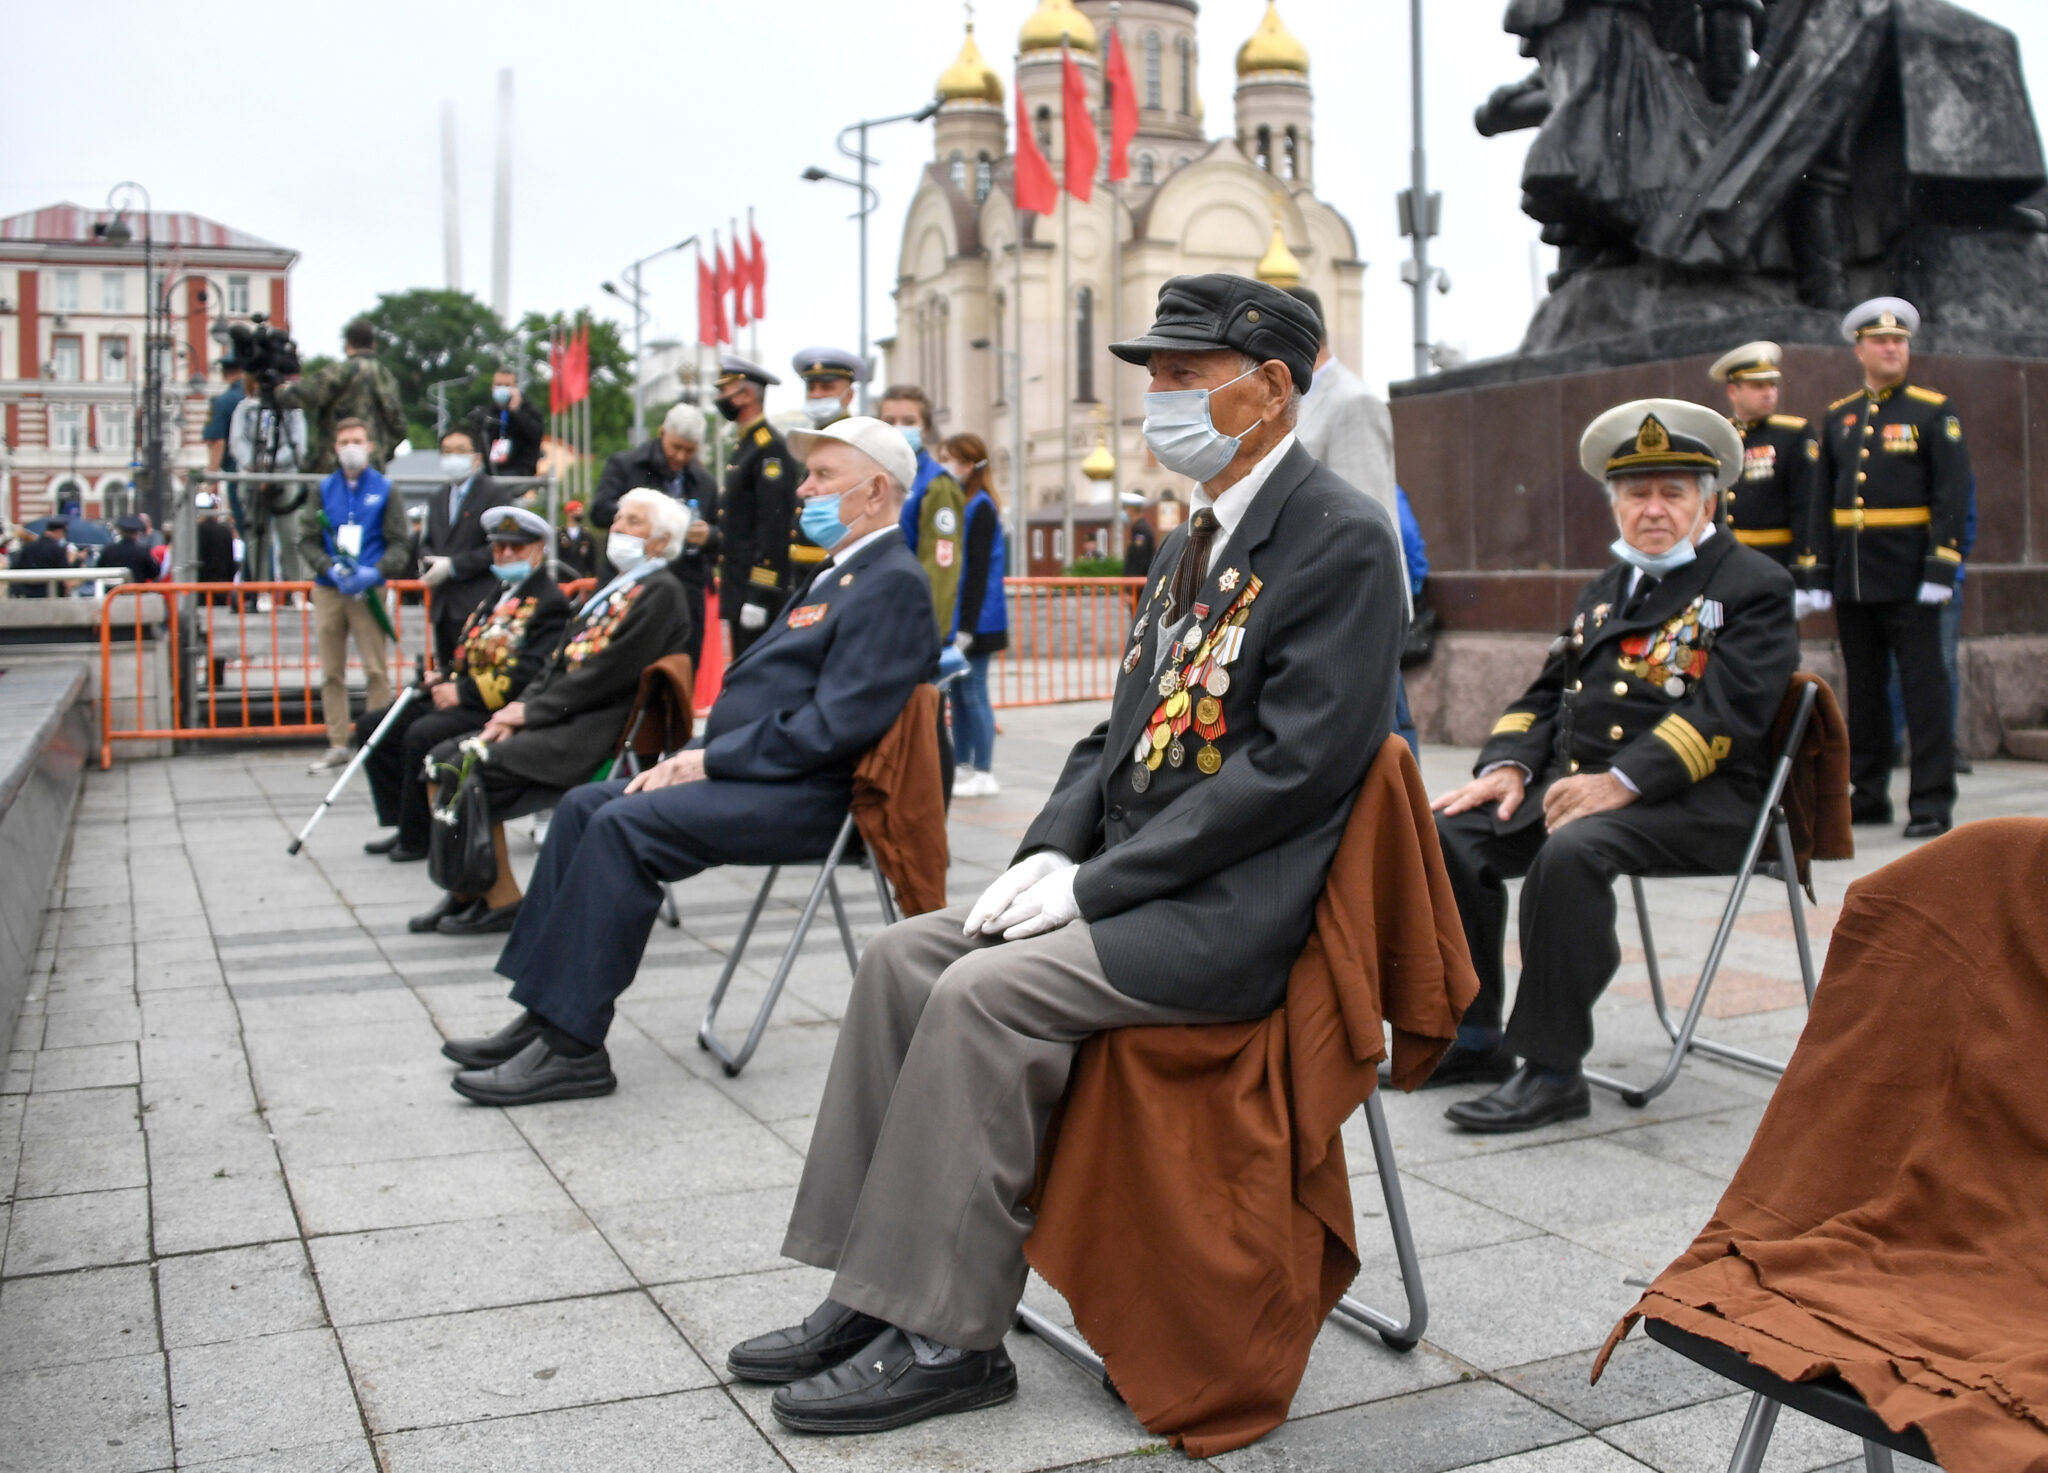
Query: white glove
pixel 1804 603
pixel 753 616
pixel 438 571
pixel 997 899
pixel 963 642
pixel 1046 906
pixel 1936 593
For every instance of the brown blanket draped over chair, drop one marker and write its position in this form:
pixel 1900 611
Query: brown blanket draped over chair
pixel 664 711
pixel 1193 1203
pixel 899 805
pixel 1888 1222
pixel 1816 798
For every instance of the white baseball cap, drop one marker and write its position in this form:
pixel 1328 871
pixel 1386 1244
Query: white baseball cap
pixel 882 443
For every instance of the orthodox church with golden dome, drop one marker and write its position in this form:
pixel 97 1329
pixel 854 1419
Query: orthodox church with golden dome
pixel 1192 203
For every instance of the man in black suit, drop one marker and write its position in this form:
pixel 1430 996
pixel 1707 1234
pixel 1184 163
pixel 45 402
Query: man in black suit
pixel 768 780
pixel 128 552
pixel 1643 747
pixel 668 464
pixel 48 551
pixel 455 551
pixel 1171 877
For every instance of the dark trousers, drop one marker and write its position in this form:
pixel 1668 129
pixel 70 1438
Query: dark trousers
pixel 1873 636
pixel 1569 947
pixel 742 637
pixel 596 888
pixel 693 595
pixel 397 768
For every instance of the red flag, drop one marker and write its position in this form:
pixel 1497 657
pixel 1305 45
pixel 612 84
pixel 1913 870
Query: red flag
pixel 556 403
pixel 721 279
pixel 1123 109
pixel 758 271
pixel 1032 185
pixel 707 305
pixel 742 279
pixel 1083 150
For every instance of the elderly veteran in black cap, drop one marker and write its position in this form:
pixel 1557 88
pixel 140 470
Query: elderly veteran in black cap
pixel 1891 502
pixel 1766 508
pixel 1171 878
pixel 1641 748
pixel 503 644
pixel 758 507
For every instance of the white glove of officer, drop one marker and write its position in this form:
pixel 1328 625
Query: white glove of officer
pixel 988 916
pixel 1046 906
pixel 753 616
pixel 1804 603
pixel 964 642
pixel 1936 593
pixel 438 571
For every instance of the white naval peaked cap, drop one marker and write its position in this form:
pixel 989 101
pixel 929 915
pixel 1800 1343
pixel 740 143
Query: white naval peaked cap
pixel 1661 435
pixel 1889 316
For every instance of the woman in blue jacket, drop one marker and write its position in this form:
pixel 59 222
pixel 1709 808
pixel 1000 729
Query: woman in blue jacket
pixel 981 616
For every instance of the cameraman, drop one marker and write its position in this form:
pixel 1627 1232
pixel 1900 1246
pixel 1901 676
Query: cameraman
pixel 358 388
pixel 263 436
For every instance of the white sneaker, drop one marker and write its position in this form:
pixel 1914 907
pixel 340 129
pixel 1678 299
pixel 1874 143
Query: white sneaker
pixel 971 783
pixel 332 758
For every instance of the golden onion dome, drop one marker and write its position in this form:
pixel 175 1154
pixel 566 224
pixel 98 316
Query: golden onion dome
pixel 970 78
pixel 1278 267
pixel 1272 48
pixel 1052 20
pixel 1100 464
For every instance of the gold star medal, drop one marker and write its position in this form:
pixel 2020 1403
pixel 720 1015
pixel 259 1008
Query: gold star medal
pixel 1227 582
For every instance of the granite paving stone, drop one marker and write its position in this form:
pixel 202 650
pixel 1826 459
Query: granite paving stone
pixel 57 1165
pixel 103 1416
pixel 246 1397
pixel 421 1190
pixel 84 1230
pixel 686 1432
pixel 87 1066
pixel 396 1273
pixel 65 1319
pixel 237 1294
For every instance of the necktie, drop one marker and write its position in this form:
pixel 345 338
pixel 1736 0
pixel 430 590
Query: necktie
pixel 1193 568
pixel 1635 600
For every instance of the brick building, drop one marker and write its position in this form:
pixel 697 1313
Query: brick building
pixel 72 322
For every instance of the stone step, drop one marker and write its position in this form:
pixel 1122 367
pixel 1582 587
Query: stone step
pixel 2029 744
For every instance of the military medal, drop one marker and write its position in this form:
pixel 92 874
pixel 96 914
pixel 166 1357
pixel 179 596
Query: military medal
pixel 1169 680
pixel 1208 710
pixel 1131 660
pixel 1138 629
pixel 1600 612
pixel 1218 681
pixel 1227 582
pixel 1176 753
pixel 846 580
pixel 1141 777
pixel 1209 760
pixel 1674 687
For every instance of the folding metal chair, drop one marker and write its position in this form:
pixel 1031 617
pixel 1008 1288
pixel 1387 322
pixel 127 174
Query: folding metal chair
pixel 1401 1335
pixel 1771 825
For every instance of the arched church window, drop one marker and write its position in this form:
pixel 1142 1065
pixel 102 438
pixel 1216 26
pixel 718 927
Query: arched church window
pixel 1152 83
pixel 1146 172
pixel 956 170
pixel 1187 70
pixel 1084 344
pixel 1293 155
pixel 1045 129
pixel 984 175
pixel 1262 154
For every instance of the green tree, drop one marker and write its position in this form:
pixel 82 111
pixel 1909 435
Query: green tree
pixel 424 337
pixel 611 374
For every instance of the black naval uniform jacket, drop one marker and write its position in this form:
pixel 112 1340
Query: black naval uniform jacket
pixel 1767 506
pixel 506 643
pixel 1892 493
pixel 1200 887
pixel 1681 691
pixel 757 511
pixel 577 706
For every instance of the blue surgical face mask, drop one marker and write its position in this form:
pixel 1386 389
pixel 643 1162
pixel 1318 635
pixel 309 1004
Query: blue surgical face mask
pixel 913 436
pixel 820 521
pixel 821 412
pixel 1660 564
pixel 1184 437
pixel 511 574
pixel 501 393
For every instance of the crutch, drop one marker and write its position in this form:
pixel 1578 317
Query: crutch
pixel 405 698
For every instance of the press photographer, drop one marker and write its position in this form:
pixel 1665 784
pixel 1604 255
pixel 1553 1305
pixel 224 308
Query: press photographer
pixel 264 434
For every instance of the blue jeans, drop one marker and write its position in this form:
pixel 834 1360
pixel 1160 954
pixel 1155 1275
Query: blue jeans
pixel 974 719
pixel 1404 724
pixel 1951 632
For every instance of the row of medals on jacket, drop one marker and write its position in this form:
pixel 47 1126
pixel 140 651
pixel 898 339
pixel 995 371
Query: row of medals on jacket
pixel 1191 687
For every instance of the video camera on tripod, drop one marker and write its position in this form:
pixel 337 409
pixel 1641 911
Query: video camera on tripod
pixel 266 353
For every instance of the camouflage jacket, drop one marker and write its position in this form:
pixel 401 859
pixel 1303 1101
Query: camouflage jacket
pixel 358 387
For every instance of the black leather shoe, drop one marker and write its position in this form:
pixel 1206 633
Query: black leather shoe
pixel 538 1073
pixel 1863 813
pixel 1526 1101
pixel 883 1386
pixel 1964 765
pixel 405 853
pixel 488 1053
pixel 1462 1065
pixel 449 905
pixel 381 846
pixel 480 920
pixel 1931 827
pixel 828 1335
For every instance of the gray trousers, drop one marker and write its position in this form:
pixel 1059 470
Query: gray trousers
pixel 950 1061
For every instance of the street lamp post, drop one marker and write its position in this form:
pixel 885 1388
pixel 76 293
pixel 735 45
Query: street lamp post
pixel 118 232
pixel 637 301
pixel 1010 363
pixel 869 199
pixel 1421 211
pixel 185 516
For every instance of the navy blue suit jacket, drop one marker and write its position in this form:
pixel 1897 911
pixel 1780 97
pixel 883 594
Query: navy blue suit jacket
pixel 831 674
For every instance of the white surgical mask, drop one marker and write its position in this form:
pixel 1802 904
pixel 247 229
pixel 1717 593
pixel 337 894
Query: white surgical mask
pixel 1184 437
pixel 625 551
pixel 455 467
pixel 354 458
pixel 1661 564
pixel 821 412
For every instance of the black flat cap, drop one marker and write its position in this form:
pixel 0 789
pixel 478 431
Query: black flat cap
pixel 128 524
pixel 1204 313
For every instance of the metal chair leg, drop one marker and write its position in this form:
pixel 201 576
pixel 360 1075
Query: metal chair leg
pixel 1756 1435
pixel 1066 1342
pixel 845 931
pixel 732 959
pixel 670 916
pixel 882 893
pixel 1877 1458
pixel 1399 1335
pixel 1790 864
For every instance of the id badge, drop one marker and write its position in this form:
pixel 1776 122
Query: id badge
pixel 501 450
pixel 348 540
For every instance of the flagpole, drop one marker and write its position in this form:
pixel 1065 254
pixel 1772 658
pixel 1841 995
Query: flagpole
pixel 1064 324
pixel 1116 325
pixel 753 271
pixel 1020 564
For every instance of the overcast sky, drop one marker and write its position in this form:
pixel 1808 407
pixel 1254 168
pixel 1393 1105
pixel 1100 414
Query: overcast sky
pixel 638 124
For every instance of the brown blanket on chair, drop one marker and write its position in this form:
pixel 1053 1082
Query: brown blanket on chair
pixel 1888 1222
pixel 1816 797
pixel 899 805
pixel 1193 1203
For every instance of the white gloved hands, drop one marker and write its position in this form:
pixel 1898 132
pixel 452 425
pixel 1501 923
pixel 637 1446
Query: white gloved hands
pixel 986 919
pixel 1817 602
pixel 1046 906
pixel 438 571
pixel 753 616
pixel 1935 593
pixel 964 642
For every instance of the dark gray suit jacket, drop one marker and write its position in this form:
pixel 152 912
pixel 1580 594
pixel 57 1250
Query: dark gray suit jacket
pixel 1201 891
pixel 465 545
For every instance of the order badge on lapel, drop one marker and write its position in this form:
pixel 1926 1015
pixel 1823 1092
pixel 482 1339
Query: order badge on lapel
pixel 808 615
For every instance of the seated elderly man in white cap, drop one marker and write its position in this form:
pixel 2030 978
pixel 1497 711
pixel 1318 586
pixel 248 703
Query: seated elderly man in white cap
pixel 1642 747
pixel 767 781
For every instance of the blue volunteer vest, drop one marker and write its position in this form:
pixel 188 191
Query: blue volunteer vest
pixel 365 509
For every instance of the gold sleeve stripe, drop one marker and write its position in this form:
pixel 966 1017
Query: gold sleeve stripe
pixel 1514 723
pixel 1682 737
pixel 1766 537
pixel 1883 516
pixel 1948 554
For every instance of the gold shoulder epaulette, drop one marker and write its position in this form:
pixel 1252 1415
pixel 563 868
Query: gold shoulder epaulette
pixel 1925 396
pixel 1845 400
pixel 1788 421
pixel 762 434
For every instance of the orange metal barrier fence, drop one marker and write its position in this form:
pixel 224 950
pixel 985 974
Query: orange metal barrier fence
pixel 1067 638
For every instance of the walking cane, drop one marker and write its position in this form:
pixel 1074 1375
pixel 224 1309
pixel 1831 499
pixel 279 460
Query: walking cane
pixel 405 698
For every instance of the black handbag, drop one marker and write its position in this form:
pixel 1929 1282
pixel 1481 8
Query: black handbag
pixel 461 856
pixel 1422 631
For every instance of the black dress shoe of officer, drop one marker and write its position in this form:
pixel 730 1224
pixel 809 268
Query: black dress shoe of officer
pixel 1462 1065
pixel 381 846
pixel 883 1386
pixel 449 905
pixel 538 1073
pixel 828 1335
pixel 1933 826
pixel 488 1053
pixel 1862 813
pixel 405 853
pixel 1533 1097
pixel 480 921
